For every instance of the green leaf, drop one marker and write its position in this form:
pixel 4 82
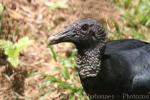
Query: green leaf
pixel 63 84
pixel 117 27
pixel 67 62
pixel 54 55
pixel 22 43
pixel 13 50
pixel 53 79
pixel 65 73
pixel 14 61
pixel 4 44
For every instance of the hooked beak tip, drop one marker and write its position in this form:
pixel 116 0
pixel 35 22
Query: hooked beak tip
pixel 51 40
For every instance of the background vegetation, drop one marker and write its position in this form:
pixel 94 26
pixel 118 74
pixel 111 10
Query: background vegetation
pixel 32 70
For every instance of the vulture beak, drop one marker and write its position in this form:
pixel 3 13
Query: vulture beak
pixel 59 37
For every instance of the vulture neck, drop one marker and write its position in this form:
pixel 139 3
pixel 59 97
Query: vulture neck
pixel 89 60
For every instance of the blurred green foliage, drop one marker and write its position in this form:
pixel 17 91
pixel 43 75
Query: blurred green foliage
pixel 68 80
pixel 123 3
pixel 12 50
pixel 135 19
pixel 139 14
pixel 57 4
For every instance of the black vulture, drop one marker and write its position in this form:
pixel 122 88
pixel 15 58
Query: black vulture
pixel 118 69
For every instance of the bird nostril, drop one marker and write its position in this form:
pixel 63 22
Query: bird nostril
pixel 85 27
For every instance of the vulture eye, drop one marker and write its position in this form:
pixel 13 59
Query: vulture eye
pixel 85 27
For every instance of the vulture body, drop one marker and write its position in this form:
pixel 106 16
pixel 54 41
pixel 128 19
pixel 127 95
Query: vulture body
pixel 108 70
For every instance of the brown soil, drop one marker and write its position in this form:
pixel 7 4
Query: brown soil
pixel 33 18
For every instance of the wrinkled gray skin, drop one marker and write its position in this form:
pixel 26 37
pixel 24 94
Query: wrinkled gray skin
pixel 89 38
